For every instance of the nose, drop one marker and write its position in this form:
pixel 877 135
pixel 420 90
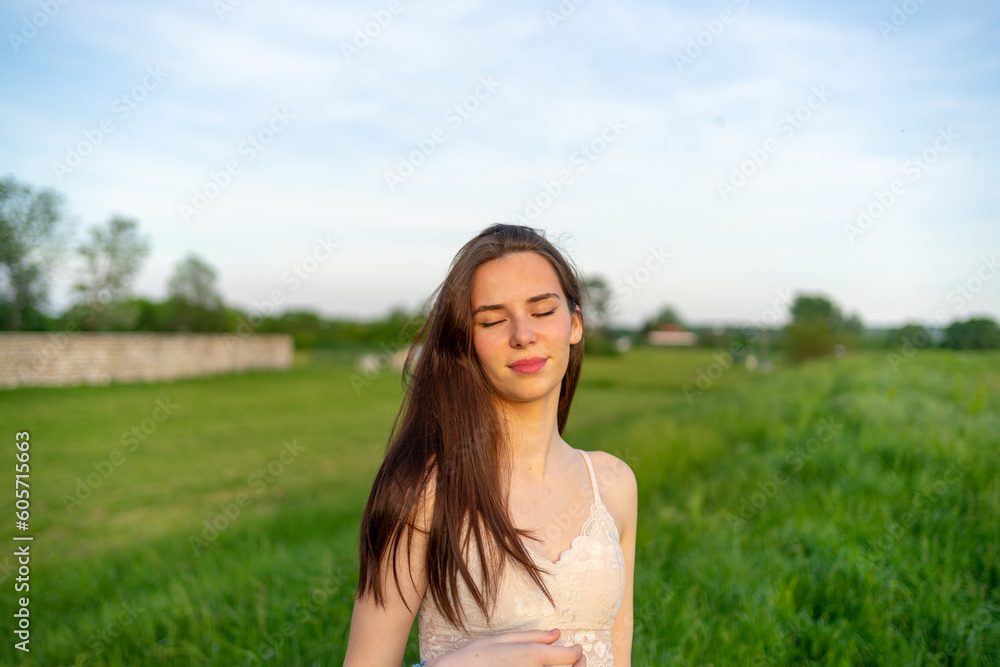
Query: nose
pixel 523 332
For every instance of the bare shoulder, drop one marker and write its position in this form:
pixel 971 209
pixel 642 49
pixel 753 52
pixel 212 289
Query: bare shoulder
pixel 618 488
pixel 425 503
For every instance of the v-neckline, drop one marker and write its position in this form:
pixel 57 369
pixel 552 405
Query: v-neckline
pixel 573 543
pixel 583 527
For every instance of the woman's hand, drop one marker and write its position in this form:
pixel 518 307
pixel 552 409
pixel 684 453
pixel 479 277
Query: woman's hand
pixel 515 649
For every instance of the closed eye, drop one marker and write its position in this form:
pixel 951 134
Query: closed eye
pixel 489 324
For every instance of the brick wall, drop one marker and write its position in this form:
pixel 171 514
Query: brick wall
pixel 74 358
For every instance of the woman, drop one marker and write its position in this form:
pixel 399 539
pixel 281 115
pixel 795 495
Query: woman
pixel 478 462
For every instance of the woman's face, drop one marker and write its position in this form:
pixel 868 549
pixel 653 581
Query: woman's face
pixel 519 313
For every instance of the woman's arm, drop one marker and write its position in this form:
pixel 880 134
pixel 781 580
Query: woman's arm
pixel 378 634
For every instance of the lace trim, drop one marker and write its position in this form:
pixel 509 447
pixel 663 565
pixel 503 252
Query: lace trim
pixel 585 531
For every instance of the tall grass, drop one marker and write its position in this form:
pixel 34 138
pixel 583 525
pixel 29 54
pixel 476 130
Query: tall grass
pixel 838 512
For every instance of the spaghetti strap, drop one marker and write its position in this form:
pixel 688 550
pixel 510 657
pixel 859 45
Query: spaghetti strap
pixel 593 478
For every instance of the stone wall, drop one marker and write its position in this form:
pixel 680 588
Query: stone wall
pixel 74 358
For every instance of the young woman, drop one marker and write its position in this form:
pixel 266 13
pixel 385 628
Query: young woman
pixel 516 548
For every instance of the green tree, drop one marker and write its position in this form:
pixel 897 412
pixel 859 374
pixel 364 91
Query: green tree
pixel 113 256
pixel 151 315
pixel 818 327
pixel 667 315
pixel 193 281
pixel 33 235
pixel 596 309
pixel 811 308
pixel 977 333
pixel 912 335
pixel 193 299
pixel 596 303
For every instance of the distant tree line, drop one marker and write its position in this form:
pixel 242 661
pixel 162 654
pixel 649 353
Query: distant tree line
pixel 818 328
pixel 36 235
pixel 36 240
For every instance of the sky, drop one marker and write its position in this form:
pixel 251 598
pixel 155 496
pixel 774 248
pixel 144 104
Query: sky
pixel 717 157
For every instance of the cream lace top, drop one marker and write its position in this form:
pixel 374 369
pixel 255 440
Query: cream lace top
pixel 587 582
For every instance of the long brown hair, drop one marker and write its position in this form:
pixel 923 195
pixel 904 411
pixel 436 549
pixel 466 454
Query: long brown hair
pixel 450 426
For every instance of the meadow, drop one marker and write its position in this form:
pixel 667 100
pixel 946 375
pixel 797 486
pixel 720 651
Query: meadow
pixel 839 512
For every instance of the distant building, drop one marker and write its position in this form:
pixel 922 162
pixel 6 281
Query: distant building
pixel 672 335
pixel 370 364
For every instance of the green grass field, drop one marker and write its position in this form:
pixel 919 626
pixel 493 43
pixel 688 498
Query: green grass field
pixel 834 513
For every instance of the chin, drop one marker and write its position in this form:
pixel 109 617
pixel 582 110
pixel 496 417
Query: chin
pixel 528 394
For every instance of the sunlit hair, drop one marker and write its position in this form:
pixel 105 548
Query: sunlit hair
pixel 451 426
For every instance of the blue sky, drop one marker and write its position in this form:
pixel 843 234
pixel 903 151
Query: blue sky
pixel 740 138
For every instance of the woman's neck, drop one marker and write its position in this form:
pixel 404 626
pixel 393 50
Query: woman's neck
pixel 533 437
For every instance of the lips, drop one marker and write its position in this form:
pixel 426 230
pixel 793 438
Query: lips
pixel 529 365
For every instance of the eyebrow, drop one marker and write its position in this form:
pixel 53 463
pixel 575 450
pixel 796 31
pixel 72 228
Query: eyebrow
pixel 539 297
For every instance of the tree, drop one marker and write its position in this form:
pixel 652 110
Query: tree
pixel 596 308
pixel 596 303
pixel 667 315
pixel 818 327
pixel 813 308
pixel 194 302
pixel 977 333
pixel 193 282
pixel 33 234
pixel 113 256
pixel 910 335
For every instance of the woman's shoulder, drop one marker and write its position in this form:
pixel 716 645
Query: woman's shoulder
pixel 617 484
pixel 611 471
pixel 424 512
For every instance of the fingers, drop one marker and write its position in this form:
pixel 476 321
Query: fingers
pixel 548 655
pixel 563 655
pixel 532 647
pixel 528 636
